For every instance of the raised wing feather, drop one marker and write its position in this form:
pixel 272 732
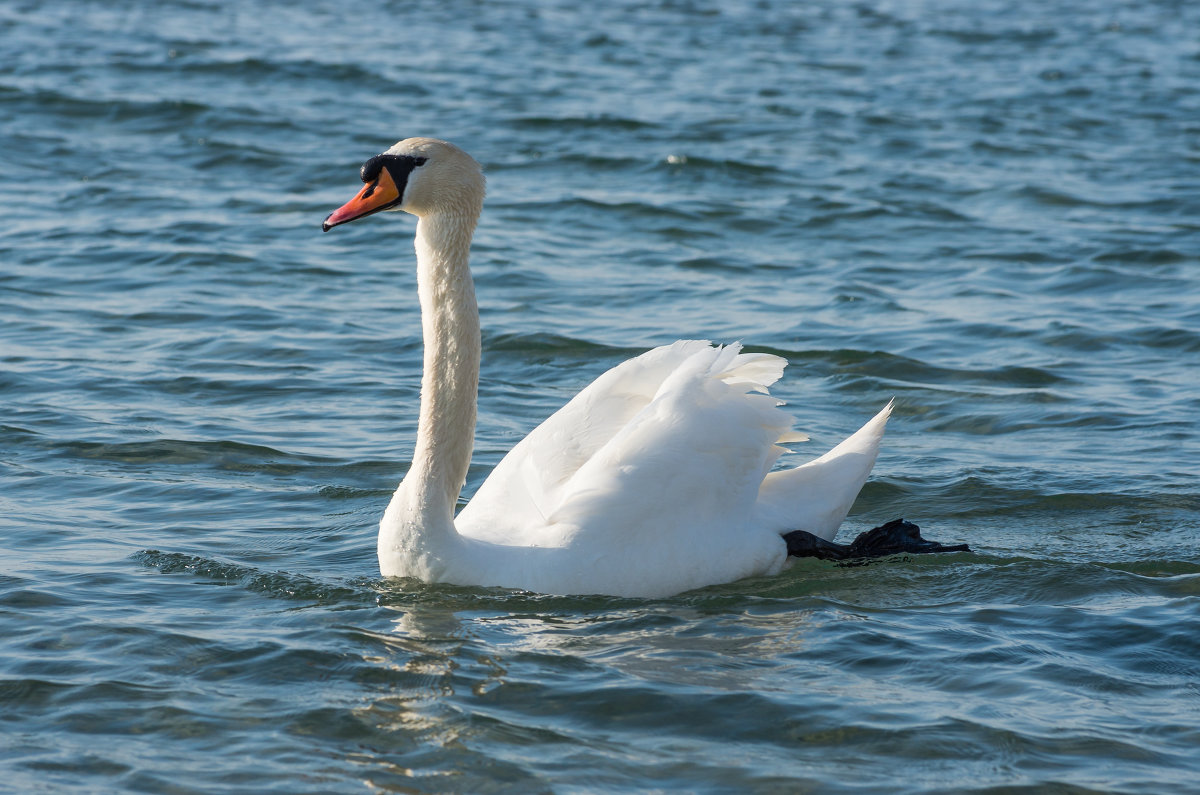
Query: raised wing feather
pixel 643 425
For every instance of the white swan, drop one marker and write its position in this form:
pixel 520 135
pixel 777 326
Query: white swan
pixel 655 479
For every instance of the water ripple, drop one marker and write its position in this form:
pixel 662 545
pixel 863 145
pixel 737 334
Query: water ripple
pixel 985 210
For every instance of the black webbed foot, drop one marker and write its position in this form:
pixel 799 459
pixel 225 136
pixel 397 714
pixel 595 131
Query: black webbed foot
pixel 895 537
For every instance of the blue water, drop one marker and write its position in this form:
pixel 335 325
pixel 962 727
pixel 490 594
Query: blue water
pixel 989 210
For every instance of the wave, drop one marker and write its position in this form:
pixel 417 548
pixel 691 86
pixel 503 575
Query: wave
pixel 275 584
pixel 569 123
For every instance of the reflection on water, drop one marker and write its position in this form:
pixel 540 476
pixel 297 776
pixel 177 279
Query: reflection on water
pixel 986 210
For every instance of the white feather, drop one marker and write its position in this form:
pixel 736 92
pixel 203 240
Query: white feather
pixel 654 479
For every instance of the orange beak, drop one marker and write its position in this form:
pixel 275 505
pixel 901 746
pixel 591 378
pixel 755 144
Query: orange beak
pixel 375 196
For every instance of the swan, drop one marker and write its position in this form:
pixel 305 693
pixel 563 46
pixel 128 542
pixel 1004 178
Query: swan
pixel 655 479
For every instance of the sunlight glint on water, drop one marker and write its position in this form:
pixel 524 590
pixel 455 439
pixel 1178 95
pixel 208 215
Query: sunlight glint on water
pixel 985 210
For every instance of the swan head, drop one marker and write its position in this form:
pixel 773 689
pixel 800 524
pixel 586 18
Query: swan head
pixel 422 176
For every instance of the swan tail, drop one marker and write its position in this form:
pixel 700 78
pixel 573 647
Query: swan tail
pixel 816 496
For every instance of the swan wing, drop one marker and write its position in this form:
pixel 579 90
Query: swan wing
pixel 669 416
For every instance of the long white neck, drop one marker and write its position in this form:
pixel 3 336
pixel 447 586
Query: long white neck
pixel 419 522
pixel 450 383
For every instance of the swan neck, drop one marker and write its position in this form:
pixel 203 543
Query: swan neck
pixel 450 381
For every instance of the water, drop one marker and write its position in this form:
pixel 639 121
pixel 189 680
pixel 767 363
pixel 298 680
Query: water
pixel 988 210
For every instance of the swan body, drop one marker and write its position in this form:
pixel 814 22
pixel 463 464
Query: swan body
pixel 655 479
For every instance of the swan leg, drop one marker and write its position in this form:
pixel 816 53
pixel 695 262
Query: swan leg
pixel 896 537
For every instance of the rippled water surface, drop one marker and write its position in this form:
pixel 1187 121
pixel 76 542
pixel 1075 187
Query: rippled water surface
pixel 990 210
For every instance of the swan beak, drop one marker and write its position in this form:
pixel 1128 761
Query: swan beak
pixel 375 196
